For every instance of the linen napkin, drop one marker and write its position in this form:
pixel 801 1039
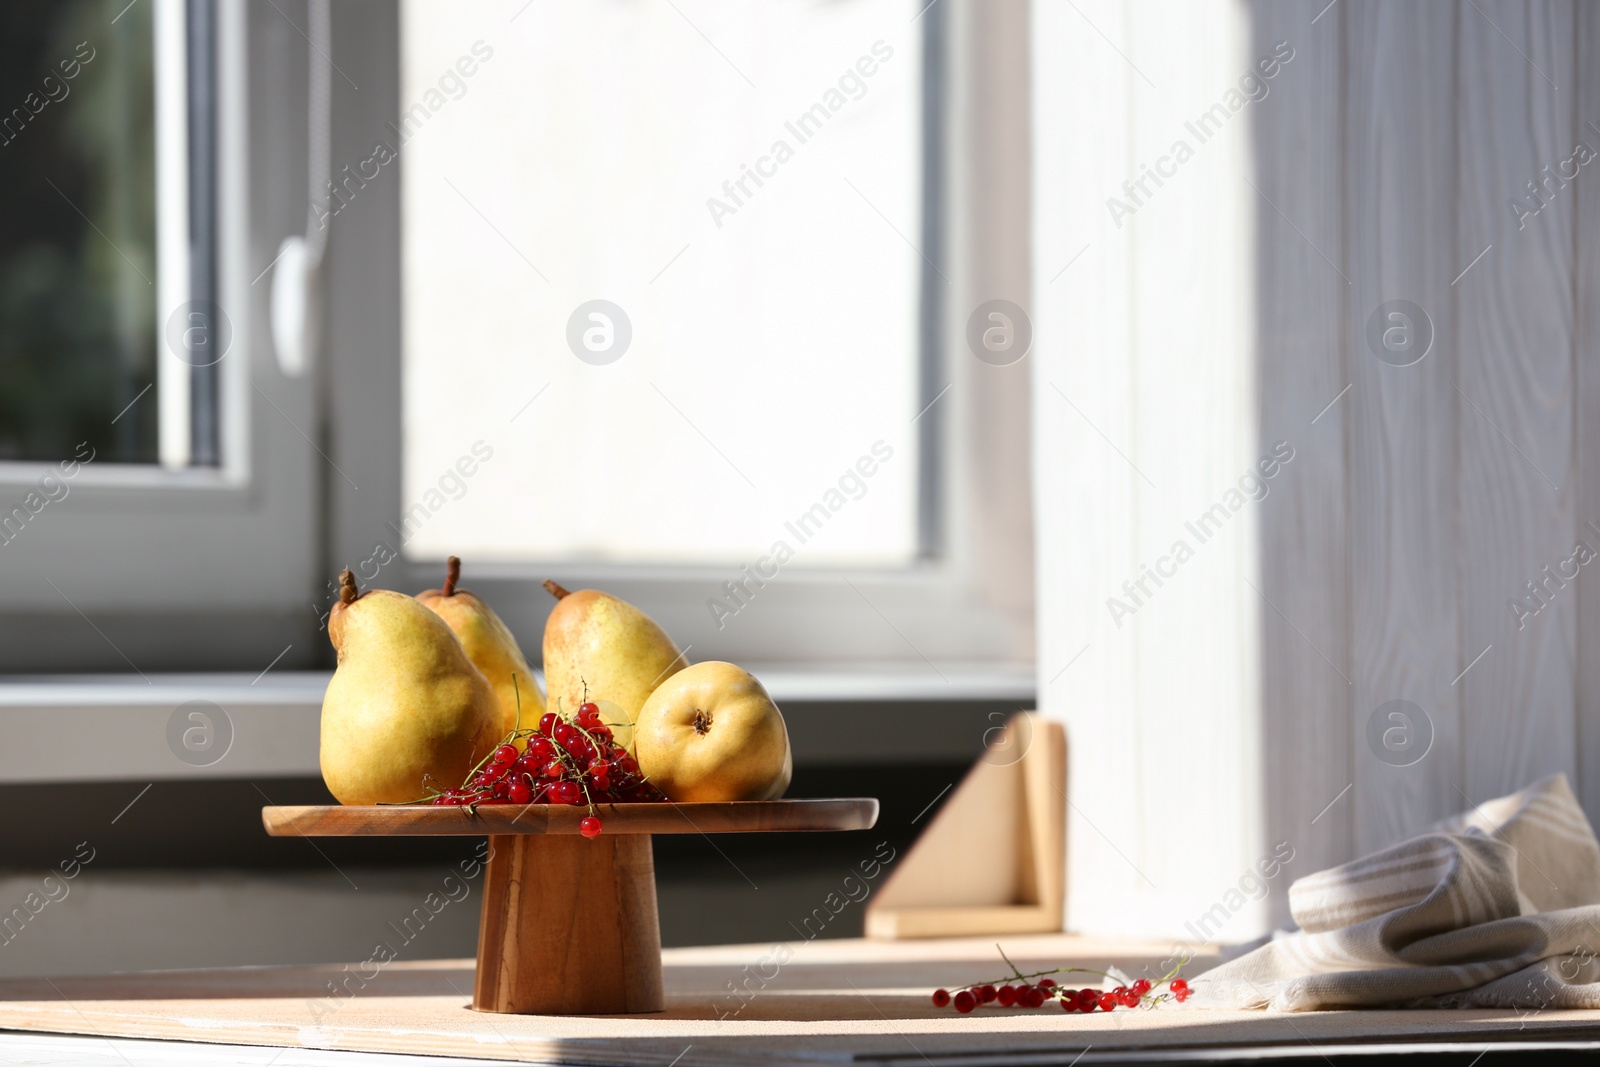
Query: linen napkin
pixel 1496 907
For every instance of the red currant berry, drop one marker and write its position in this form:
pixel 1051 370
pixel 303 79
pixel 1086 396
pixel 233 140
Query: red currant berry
pixel 1087 1000
pixel 1046 982
pixel 589 708
pixel 1006 995
pixel 1069 1003
pixel 566 793
pixel 1030 996
pixel 547 723
pixel 1142 986
pixel 1182 996
pixel 589 826
pixel 540 749
pixel 965 1002
pixel 985 994
pixel 1108 1002
pixel 941 998
pixel 521 792
pixel 602 783
pixel 1179 985
pixel 505 755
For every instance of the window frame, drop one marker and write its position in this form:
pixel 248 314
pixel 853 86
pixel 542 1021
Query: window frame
pixel 967 597
pixel 120 553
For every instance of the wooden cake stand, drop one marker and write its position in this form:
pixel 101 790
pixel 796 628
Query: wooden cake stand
pixel 569 924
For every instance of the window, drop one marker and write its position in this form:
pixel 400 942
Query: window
pixel 795 368
pixel 546 161
pixel 173 527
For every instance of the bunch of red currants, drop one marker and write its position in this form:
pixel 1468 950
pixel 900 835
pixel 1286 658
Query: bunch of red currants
pixel 564 762
pixel 1022 993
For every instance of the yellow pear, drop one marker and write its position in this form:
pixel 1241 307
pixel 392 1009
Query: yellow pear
pixel 490 647
pixel 406 711
pixel 711 732
pixel 596 642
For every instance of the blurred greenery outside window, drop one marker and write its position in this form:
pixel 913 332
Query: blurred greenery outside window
pixel 77 231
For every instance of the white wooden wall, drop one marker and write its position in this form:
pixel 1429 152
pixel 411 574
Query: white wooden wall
pixel 1231 712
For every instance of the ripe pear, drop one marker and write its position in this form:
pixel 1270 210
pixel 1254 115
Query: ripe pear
pixel 711 732
pixel 597 643
pixel 491 648
pixel 406 710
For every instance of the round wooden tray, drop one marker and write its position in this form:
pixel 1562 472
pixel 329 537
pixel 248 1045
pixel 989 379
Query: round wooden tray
pixel 569 924
pixel 733 817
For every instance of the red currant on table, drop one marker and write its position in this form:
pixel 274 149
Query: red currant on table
pixel 965 1002
pixel 589 826
pixel 1142 986
pixel 941 998
pixel 1108 1001
pixel 1006 995
pixel 521 792
pixel 1088 1000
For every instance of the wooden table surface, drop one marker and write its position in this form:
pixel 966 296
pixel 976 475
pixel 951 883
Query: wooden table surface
pixel 846 1000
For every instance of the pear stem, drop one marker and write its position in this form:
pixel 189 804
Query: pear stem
pixel 555 590
pixel 452 575
pixel 347 587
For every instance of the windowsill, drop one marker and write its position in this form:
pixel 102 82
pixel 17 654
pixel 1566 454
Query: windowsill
pixel 114 727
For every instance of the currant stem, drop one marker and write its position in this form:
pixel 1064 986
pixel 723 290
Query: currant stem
pixel 516 691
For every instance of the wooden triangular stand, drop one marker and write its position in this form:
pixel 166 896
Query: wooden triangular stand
pixel 993 861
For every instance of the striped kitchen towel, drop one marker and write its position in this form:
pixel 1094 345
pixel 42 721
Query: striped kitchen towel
pixel 1497 907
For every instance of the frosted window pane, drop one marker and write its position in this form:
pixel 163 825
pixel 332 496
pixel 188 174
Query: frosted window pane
pixel 772 343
